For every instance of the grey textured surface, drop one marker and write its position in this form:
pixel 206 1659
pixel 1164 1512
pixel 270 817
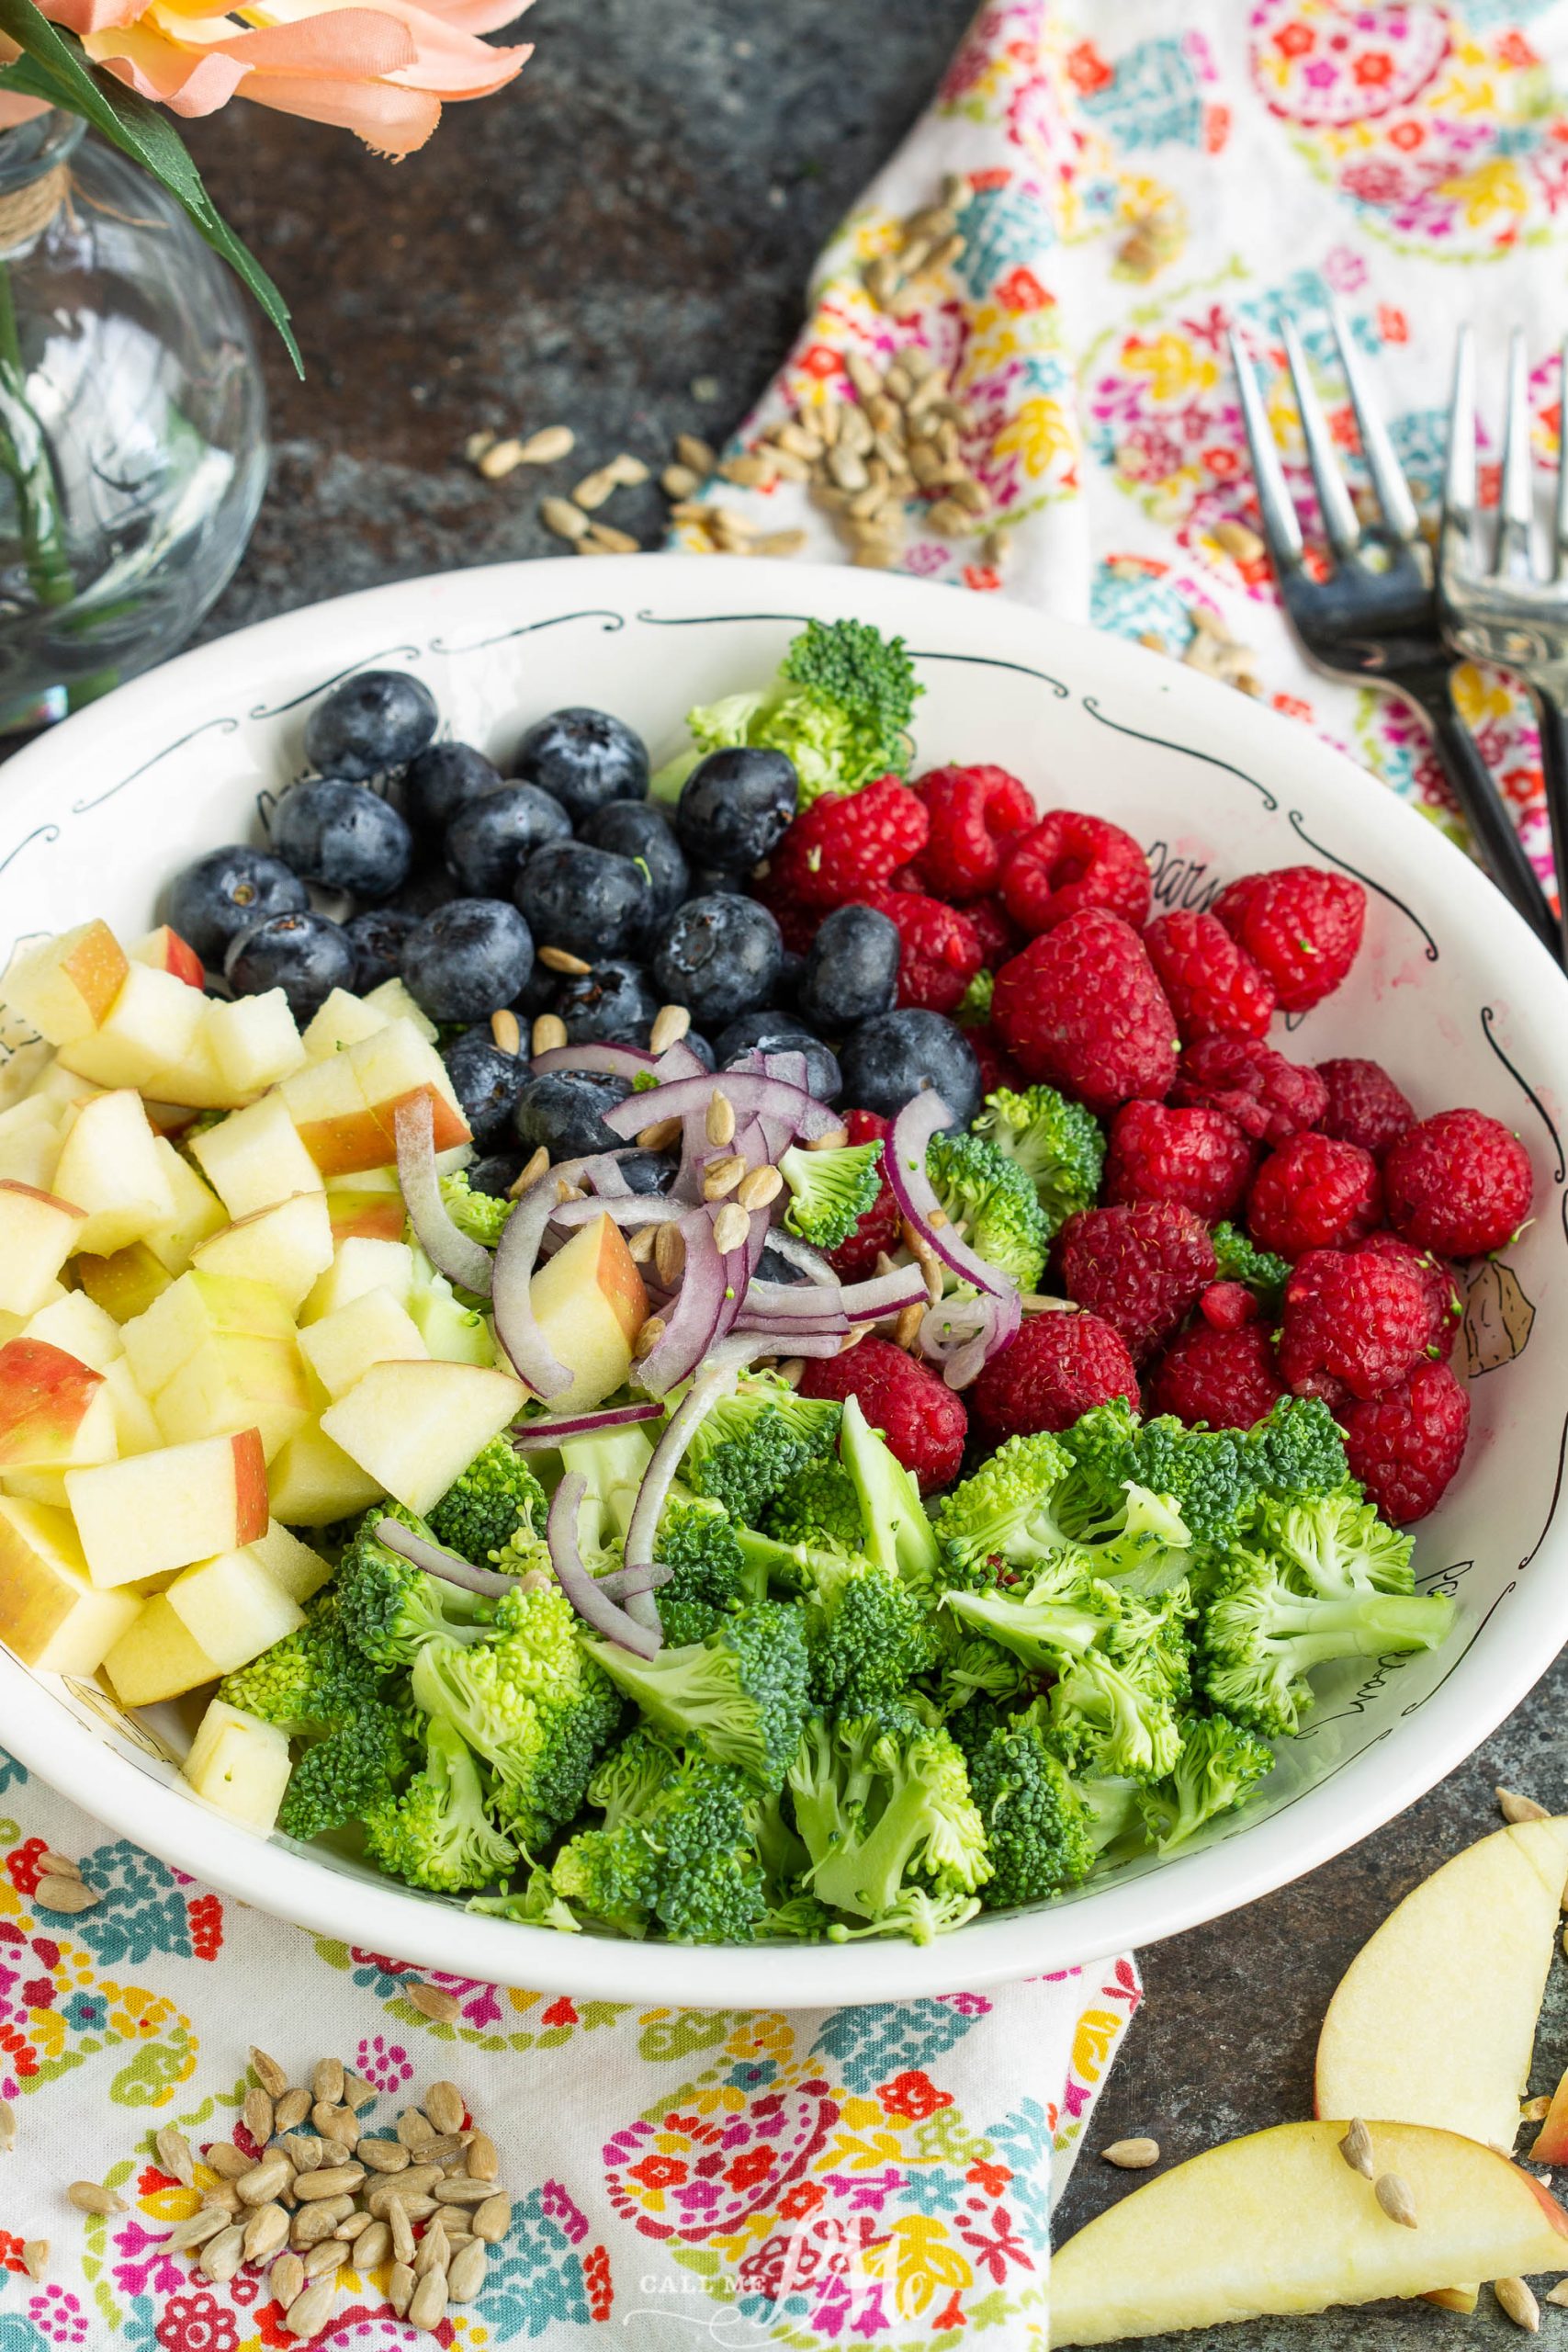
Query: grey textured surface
pixel 640 213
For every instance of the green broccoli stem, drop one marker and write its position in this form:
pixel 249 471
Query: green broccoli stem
pixel 1359 1625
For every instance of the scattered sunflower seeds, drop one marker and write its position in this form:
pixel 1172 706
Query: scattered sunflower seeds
pixel 427 2305
pixel 92 2197
pixel 1515 1807
pixel 1132 2155
pixel 35 2259
pixel 8 2127
pixel 1392 2193
pixel 1519 2305
pixel 309 2312
pixel 1356 2148
pixel 466 2275
pixel 173 2154
pixel 221 2258
pixel 268 2074
pixel 65 1894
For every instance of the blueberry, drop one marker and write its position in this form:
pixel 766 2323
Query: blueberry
pixel 649 1172
pixel 492 836
pixel 225 893
pixel 642 830
pixel 733 807
pixel 585 758
pixel 537 993
pixel 377 938
pixel 772 1266
pixel 303 955
pixel 851 970
pixel 377 720
pixel 563 1110
pixel 707 879
pixel 445 779
pixel 588 900
pixel 486 1083
pixel 897 1054
pixel 695 1043
pixel 342 836
pixel 495 1174
pixel 775 1033
pixel 615 1001
pixel 430 887
pixel 720 956
pixel 469 959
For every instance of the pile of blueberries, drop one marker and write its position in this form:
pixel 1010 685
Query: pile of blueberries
pixel 452 876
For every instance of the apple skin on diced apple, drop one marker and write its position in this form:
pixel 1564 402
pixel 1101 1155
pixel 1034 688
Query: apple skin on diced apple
pixel 51 1615
pixel 1404 2034
pixel 287 1246
pixel 1279 2222
pixel 64 986
pixel 239 1764
pixel 416 1427
pixel 54 1410
pixel 151 1026
pixel 109 1166
pixel 255 1156
pixel 345 1107
pixel 370 1216
pixel 167 952
pixel 589 1302
pixel 38 1232
pixel 165 1510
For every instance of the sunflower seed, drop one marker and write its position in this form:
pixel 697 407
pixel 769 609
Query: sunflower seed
pixel 847 469
pixel 326 2081
pixel 257 2115
pixel 372 2247
pixel 722 1175
pixel 1515 1807
pixel 284 2279
pixel 1535 2110
pixel 222 2198
pixel 309 2312
pixel 173 2151
pixel 53 1865
pixel 494 459
pixel 639 1244
pixel 427 2306
pixel 399 2288
pixel 325 2259
pixel 481 2157
pixel 1132 2155
pixel 382 2156
pixel 695 453
pixel 196 2229
pixel 221 2258
pixel 595 489
pixel 415 2204
pixel 332 2181
pixel 530 1174
pixel 493 2218
pixel 266 2180
pixel 1516 2299
pixel 466 2275
pixel 1392 2194
pixel 311 2223
pixel 956 191
pixel 268 2074
pixel 303 2150
pixel 563 517
pixel 779 543
pixel 291 2111
pixel 609 541
pixel 357 2091
pixel 669 1251
pixel 413 2181
pixel 554 959
pixel 92 2197
pixel 464 2193
pixel 34 2259
pixel 679 481
pixel 228 2160
pixel 339 2123
pixel 8 2127
pixel 731 1229
pixel 265 2232
pixel 65 1894
pixel 719 1123
pixel 1558 2294
pixel 433 2250
pixel 665 1131
pixel 398 2222
pixel 1356 2148
pixel 550 443
pixel 670 1025
pixel 948 519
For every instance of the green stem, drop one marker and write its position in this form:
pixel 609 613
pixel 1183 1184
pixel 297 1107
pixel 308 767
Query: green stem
pixel 24 455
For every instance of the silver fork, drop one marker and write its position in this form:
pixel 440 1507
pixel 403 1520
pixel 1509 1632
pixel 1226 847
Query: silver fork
pixel 1374 618
pixel 1514 615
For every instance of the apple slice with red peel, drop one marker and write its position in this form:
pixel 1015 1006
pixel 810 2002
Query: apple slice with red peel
pixel 65 986
pixel 38 1233
pixel 1279 2222
pixel 155 1511
pixel 167 952
pixel 53 1409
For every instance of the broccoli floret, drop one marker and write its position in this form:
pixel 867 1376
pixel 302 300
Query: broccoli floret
pixel 481 1215
pixel 535 1903
pixel 1134 1531
pixel 696 1540
pixel 883 1803
pixel 1059 1146
pixel 867 1633
pixel 388 1609
pixel 990 1197
pixel 310 1682
pixel 1207 1474
pixel 496 1501
pixel 752 1442
pixel 1263 1632
pixel 898 1535
pixel 839 709
pixel 1239 1259
pixel 356 1768
pixel 918 1914
pixel 975 1672
pixel 819 1507
pixel 436 1834
pixel 1115 1707
pixel 1334 1544
pixel 830 1192
pixel 1220 1765
pixel 741 1692
pixel 1002 1516
pixel 1063 1611
pixel 1298 1451
pixel 1045 1829
pixel 679 1852
pixel 798 1919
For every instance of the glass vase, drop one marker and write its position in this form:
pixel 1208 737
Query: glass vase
pixel 132 422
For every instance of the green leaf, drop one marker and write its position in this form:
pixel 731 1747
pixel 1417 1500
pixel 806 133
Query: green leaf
pixel 55 67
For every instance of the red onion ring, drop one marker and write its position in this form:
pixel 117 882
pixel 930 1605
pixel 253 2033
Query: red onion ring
pixel 703 1310
pixel 812 1263
pixel 551 1429
pixel 905 1160
pixel 630 1584
pixel 865 1302
pixel 585 1593
pixel 602 1061
pixel 516 1252
pixel 636 1208
pixel 750 1096
pixel 451 1253
pixel 435 1562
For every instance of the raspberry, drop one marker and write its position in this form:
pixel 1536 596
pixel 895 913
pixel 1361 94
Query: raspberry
pixel 1459 1182
pixel 1140 1267
pixel 1445 1302
pixel 994 928
pixel 1058 1368
pixel 1364 1105
pixel 1354 1320
pixel 973 814
pixel 1269 1098
pixel 940 952
pixel 1227 1306
pixel 1314 1194
pixel 880 1226
pixel 998 1067
pixel 922 1419
pixel 1070 861
pixel 1225 1378
pixel 1215 988
pixel 1199 1158
pixel 846 841
pixel 1302 925
pixel 1081 1009
pixel 1405 1445
pixel 798 923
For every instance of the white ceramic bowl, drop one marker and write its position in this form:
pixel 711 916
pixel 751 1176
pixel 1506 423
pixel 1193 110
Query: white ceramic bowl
pixel 1450 990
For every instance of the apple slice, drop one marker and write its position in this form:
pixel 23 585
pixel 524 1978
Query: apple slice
pixel 345 1107
pixel 589 1302
pixel 152 1024
pixel 255 1156
pixel 64 986
pixel 54 1410
pixel 38 1232
pixel 286 1246
pixel 167 952
pixel 415 1427
pixel 292 1565
pixel 198 1212
pixel 125 1284
pixel 370 1216
pixel 231 1609
pixel 393 998
pixel 51 1615
pixel 342 1020
pixel 1279 2222
pixel 165 1510
pixel 156 1657
pixel 234 1382
pixel 1405 2035
pixel 109 1166
pixel 313 1482
pixel 372 1329
pixel 239 1764
pixel 199 1308
pixel 255 1042
pixel 361 1263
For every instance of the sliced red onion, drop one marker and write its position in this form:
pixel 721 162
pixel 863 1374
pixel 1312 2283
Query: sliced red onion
pixel 516 1253
pixel 812 1263
pixel 680 1060
pixel 451 1253
pixel 603 1172
pixel 716 1381
pixel 865 1302
pixel 964 1334
pixel 905 1159
pixel 630 1584
pixel 553 1428
pixel 703 1310
pixel 586 1594
pixel 637 1208
pixel 602 1061
pixel 435 1562
pixel 751 1097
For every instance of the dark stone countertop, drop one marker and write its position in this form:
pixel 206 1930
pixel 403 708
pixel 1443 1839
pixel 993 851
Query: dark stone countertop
pixel 639 213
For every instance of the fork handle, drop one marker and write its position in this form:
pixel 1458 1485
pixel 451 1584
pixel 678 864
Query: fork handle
pixel 1553 720
pixel 1486 813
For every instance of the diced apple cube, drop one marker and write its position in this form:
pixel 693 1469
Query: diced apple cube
pixel 64 986
pixel 342 1020
pixel 21 1072
pixel 232 1383
pixel 193 1081
pixel 373 1329
pixel 292 1565
pixel 54 1410
pixel 286 1246
pixel 233 1609
pixel 38 1232
pixel 135 1423
pixel 156 1657
pixel 51 1615
pixel 370 1216
pixel 313 1482
pixel 590 1304
pixel 109 1166
pixel 239 1764
pixel 167 952
pixel 255 1156
pixel 416 1427
pixel 198 1212
pixel 83 1330
pixel 255 1042
pixel 345 1107
pixel 165 1510
pixel 61 1089
pixel 392 998
pixel 151 1023
pixel 29 1151
pixel 198 1308
pixel 360 1264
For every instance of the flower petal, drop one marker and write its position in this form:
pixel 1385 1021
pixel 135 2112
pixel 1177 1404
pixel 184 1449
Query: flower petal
pixel 393 121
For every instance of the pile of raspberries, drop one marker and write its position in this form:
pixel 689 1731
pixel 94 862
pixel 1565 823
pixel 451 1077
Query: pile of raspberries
pixel 1159 1028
